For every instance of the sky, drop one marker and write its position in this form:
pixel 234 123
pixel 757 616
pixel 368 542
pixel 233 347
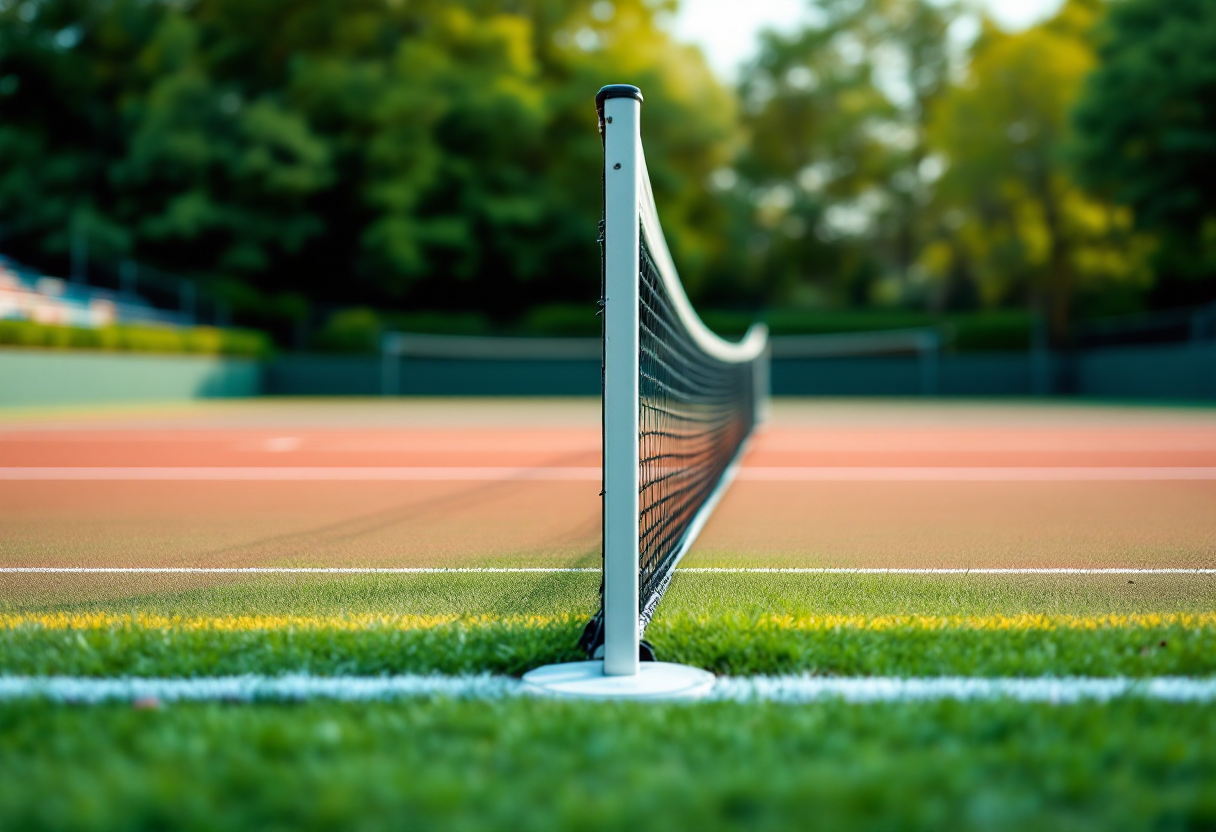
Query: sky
pixel 726 30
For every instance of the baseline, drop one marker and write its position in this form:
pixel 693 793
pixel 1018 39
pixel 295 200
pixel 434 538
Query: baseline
pixel 589 474
pixel 782 689
pixel 716 570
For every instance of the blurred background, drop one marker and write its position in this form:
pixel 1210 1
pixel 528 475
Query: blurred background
pixel 1025 190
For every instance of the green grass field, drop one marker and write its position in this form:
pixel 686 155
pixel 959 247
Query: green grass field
pixel 892 625
pixel 435 763
pixel 1124 765
pixel 430 762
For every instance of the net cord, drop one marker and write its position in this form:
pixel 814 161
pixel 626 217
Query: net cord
pixel 754 342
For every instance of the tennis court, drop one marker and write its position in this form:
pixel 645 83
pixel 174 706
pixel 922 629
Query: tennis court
pixel 995 613
pixel 445 484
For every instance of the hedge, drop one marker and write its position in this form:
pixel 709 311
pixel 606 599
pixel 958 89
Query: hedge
pixel 358 330
pixel 201 340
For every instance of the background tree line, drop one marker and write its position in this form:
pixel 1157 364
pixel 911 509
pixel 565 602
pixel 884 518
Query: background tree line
pixel 421 155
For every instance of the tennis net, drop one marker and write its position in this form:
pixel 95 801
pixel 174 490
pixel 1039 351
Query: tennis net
pixel 679 402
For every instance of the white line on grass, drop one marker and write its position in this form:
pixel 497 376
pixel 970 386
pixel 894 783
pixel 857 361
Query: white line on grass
pixel 567 474
pixel 890 689
pixel 712 570
pixel 788 689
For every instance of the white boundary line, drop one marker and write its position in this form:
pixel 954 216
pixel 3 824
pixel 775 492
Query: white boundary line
pixel 712 570
pixel 785 689
pixel 302 474
pixel 591 474
pixel 1030 570
pixel 978 474
pixel 289 570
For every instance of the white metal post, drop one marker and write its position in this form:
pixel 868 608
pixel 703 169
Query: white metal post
pixel 622 138
pixel 620 674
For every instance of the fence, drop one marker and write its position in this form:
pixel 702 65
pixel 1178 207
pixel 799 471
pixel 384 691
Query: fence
pixel 908 363
pixel 39 378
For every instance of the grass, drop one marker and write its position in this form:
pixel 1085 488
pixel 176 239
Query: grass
pixel 524 764
pixel 943 646
pixel 731 624
pixel 554 594
pixel 141 645
pixel 442 764
pixel 495 595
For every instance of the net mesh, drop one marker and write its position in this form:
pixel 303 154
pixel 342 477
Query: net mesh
pixel 695 411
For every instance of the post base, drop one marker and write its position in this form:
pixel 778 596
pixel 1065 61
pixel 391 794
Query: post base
pixel 655 680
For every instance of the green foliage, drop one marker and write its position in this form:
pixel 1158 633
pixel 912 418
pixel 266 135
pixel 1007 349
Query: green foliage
pixel 427 154
pixel 1012 219
pixel 563 319
pixel 351 330
pixel 526 764
pixel 201 340
pixel 832 172
pixel 1146 133
pixel 882 166
pixel 442 156
pixel 440 323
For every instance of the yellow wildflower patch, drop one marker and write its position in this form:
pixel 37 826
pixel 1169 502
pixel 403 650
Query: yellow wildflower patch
pixel 249 623
pixel 354 622
pixel 987 622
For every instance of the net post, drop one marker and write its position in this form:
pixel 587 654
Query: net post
pixel 620 120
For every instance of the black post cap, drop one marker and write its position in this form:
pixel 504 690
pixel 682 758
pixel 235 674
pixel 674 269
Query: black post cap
pixel 615 91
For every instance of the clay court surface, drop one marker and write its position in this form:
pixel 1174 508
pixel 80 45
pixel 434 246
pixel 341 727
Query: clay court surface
pixel 443 483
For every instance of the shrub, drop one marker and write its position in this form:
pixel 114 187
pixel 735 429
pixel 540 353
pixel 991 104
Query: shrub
pixel 128 338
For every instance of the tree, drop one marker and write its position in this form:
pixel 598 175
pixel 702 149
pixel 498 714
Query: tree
pixel 808 174
pixel 910 41
pixel 1146 130
pixel 835 163
pixel 423 154
pixel 1012 218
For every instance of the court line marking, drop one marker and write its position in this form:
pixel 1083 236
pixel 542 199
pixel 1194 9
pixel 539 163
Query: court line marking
pixel 979 474
pixel 300 474
pixel 785 689
pixel 716 570
pixel 589 474
pixel 1026 570
pixel 295 570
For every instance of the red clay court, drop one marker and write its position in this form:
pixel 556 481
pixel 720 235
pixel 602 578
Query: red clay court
pixel 496 482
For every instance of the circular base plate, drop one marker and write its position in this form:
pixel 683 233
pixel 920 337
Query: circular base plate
pixel 655 680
